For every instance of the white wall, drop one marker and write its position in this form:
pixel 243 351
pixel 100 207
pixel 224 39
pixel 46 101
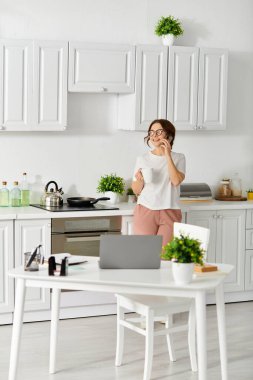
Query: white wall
pixel 92 146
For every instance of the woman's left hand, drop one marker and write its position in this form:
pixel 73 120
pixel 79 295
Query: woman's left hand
pixel 165 145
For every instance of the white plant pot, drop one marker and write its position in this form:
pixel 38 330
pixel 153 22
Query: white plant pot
pixel 168 39
pixel 182 273
pixel 114 197
pixel 131 198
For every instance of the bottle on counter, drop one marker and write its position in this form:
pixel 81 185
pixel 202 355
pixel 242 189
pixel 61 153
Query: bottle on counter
pixel 25 192
pixel 236 185
pixel 15 195
pixel 4 195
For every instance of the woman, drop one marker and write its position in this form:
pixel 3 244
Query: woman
pixel 158 201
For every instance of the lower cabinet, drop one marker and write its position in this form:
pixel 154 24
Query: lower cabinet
pixel 227 241
pixel 29 234
pixel 6 263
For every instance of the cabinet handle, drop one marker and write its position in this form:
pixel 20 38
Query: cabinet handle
pixel 195 127
pixel 215 216
pixel 220 216
pixel 104 89
pixel 49 225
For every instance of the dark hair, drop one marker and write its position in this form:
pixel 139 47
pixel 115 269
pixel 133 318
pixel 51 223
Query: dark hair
pixel 167 126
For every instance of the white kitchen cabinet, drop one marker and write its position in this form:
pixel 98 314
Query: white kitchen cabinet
pixel 227 241
pixel 249 251
pixel 138 110
pixel 127 225
pixel 183 87
pixel 33 85
pixel 29 234
pixel 6 263
pixel 193 80
pixel 101 67
pixel 212 92
pixel 249 270
pixel 197 88
pixel 16 81
pixel 50 85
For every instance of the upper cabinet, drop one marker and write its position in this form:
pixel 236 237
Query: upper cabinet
pixel 182 99
pixel 101 68
pixel 212 91
pixel 33 85
pixel 136 111
pixel 194 87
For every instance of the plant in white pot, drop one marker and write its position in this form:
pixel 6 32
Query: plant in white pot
pixel 183 252
pixel 168 28
pixel 112 186
pixel 131 197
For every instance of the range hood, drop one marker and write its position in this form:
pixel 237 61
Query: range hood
pixel 195 191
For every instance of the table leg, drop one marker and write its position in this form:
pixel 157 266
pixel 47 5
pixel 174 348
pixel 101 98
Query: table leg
pixel 200 300
pixel 17 327
pixel 54 328
pixel 220 307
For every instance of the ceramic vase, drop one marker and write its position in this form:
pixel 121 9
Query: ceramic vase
pixel 182 272
pixel 168 39
pixel 114 197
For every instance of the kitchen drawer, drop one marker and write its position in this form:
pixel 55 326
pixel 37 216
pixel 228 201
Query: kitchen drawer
pixel 249 239
pixel 249 219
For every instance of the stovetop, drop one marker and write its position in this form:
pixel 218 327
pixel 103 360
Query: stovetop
pixel 65 207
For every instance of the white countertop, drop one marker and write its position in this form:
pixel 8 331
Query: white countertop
pixel 125 209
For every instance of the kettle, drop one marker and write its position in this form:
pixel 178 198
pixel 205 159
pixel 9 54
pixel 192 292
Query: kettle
pixel 52 198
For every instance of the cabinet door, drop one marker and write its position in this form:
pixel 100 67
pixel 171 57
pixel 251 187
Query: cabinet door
pixel 50 85
pixel 6 263
pixel 212 95
pixel 183 87
pixel 127 225
pixel 249 270
pixel 230 246
pixel 101 67
pixel 205 219
pixel 15 85
pixel 151 78
pixel 28 234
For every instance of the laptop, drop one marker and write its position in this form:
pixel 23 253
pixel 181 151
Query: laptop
pixel 130 251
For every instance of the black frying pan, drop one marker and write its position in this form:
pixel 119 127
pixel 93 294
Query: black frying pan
pixel 84 201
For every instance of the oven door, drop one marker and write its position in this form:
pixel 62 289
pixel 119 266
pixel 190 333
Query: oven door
pixel 82 243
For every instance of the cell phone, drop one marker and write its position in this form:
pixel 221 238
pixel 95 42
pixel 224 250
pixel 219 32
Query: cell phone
pixel 170 138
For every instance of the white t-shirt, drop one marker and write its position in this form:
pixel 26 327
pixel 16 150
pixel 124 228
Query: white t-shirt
pixel 159 194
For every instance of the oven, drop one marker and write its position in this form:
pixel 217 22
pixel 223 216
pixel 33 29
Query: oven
pixel 81 236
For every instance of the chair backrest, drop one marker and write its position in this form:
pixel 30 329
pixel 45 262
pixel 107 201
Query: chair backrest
pixel 195 232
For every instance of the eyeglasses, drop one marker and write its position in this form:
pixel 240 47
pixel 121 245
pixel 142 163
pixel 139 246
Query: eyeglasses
pixel 158 132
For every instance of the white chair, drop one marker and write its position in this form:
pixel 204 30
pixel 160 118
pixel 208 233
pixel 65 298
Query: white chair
pixel 153 308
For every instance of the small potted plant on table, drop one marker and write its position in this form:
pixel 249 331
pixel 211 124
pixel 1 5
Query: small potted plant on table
pixel 183 252
pixel 112 186
pixel 168 28
pixel 131 197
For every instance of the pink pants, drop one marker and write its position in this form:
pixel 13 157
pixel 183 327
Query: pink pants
pixel 155 222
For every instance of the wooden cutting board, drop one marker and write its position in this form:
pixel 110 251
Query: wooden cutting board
pixel 231 199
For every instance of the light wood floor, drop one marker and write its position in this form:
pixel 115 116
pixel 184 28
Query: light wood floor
pixel 86 350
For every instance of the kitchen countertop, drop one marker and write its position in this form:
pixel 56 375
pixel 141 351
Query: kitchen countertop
pixel 125 209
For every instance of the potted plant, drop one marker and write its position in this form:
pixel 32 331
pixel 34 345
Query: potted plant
pixel 168 28
pixel 250 194
pixel 112 186
pixel 184 252
pixel 131 197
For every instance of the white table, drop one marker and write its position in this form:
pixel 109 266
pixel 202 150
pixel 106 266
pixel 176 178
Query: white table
pixel 152 282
